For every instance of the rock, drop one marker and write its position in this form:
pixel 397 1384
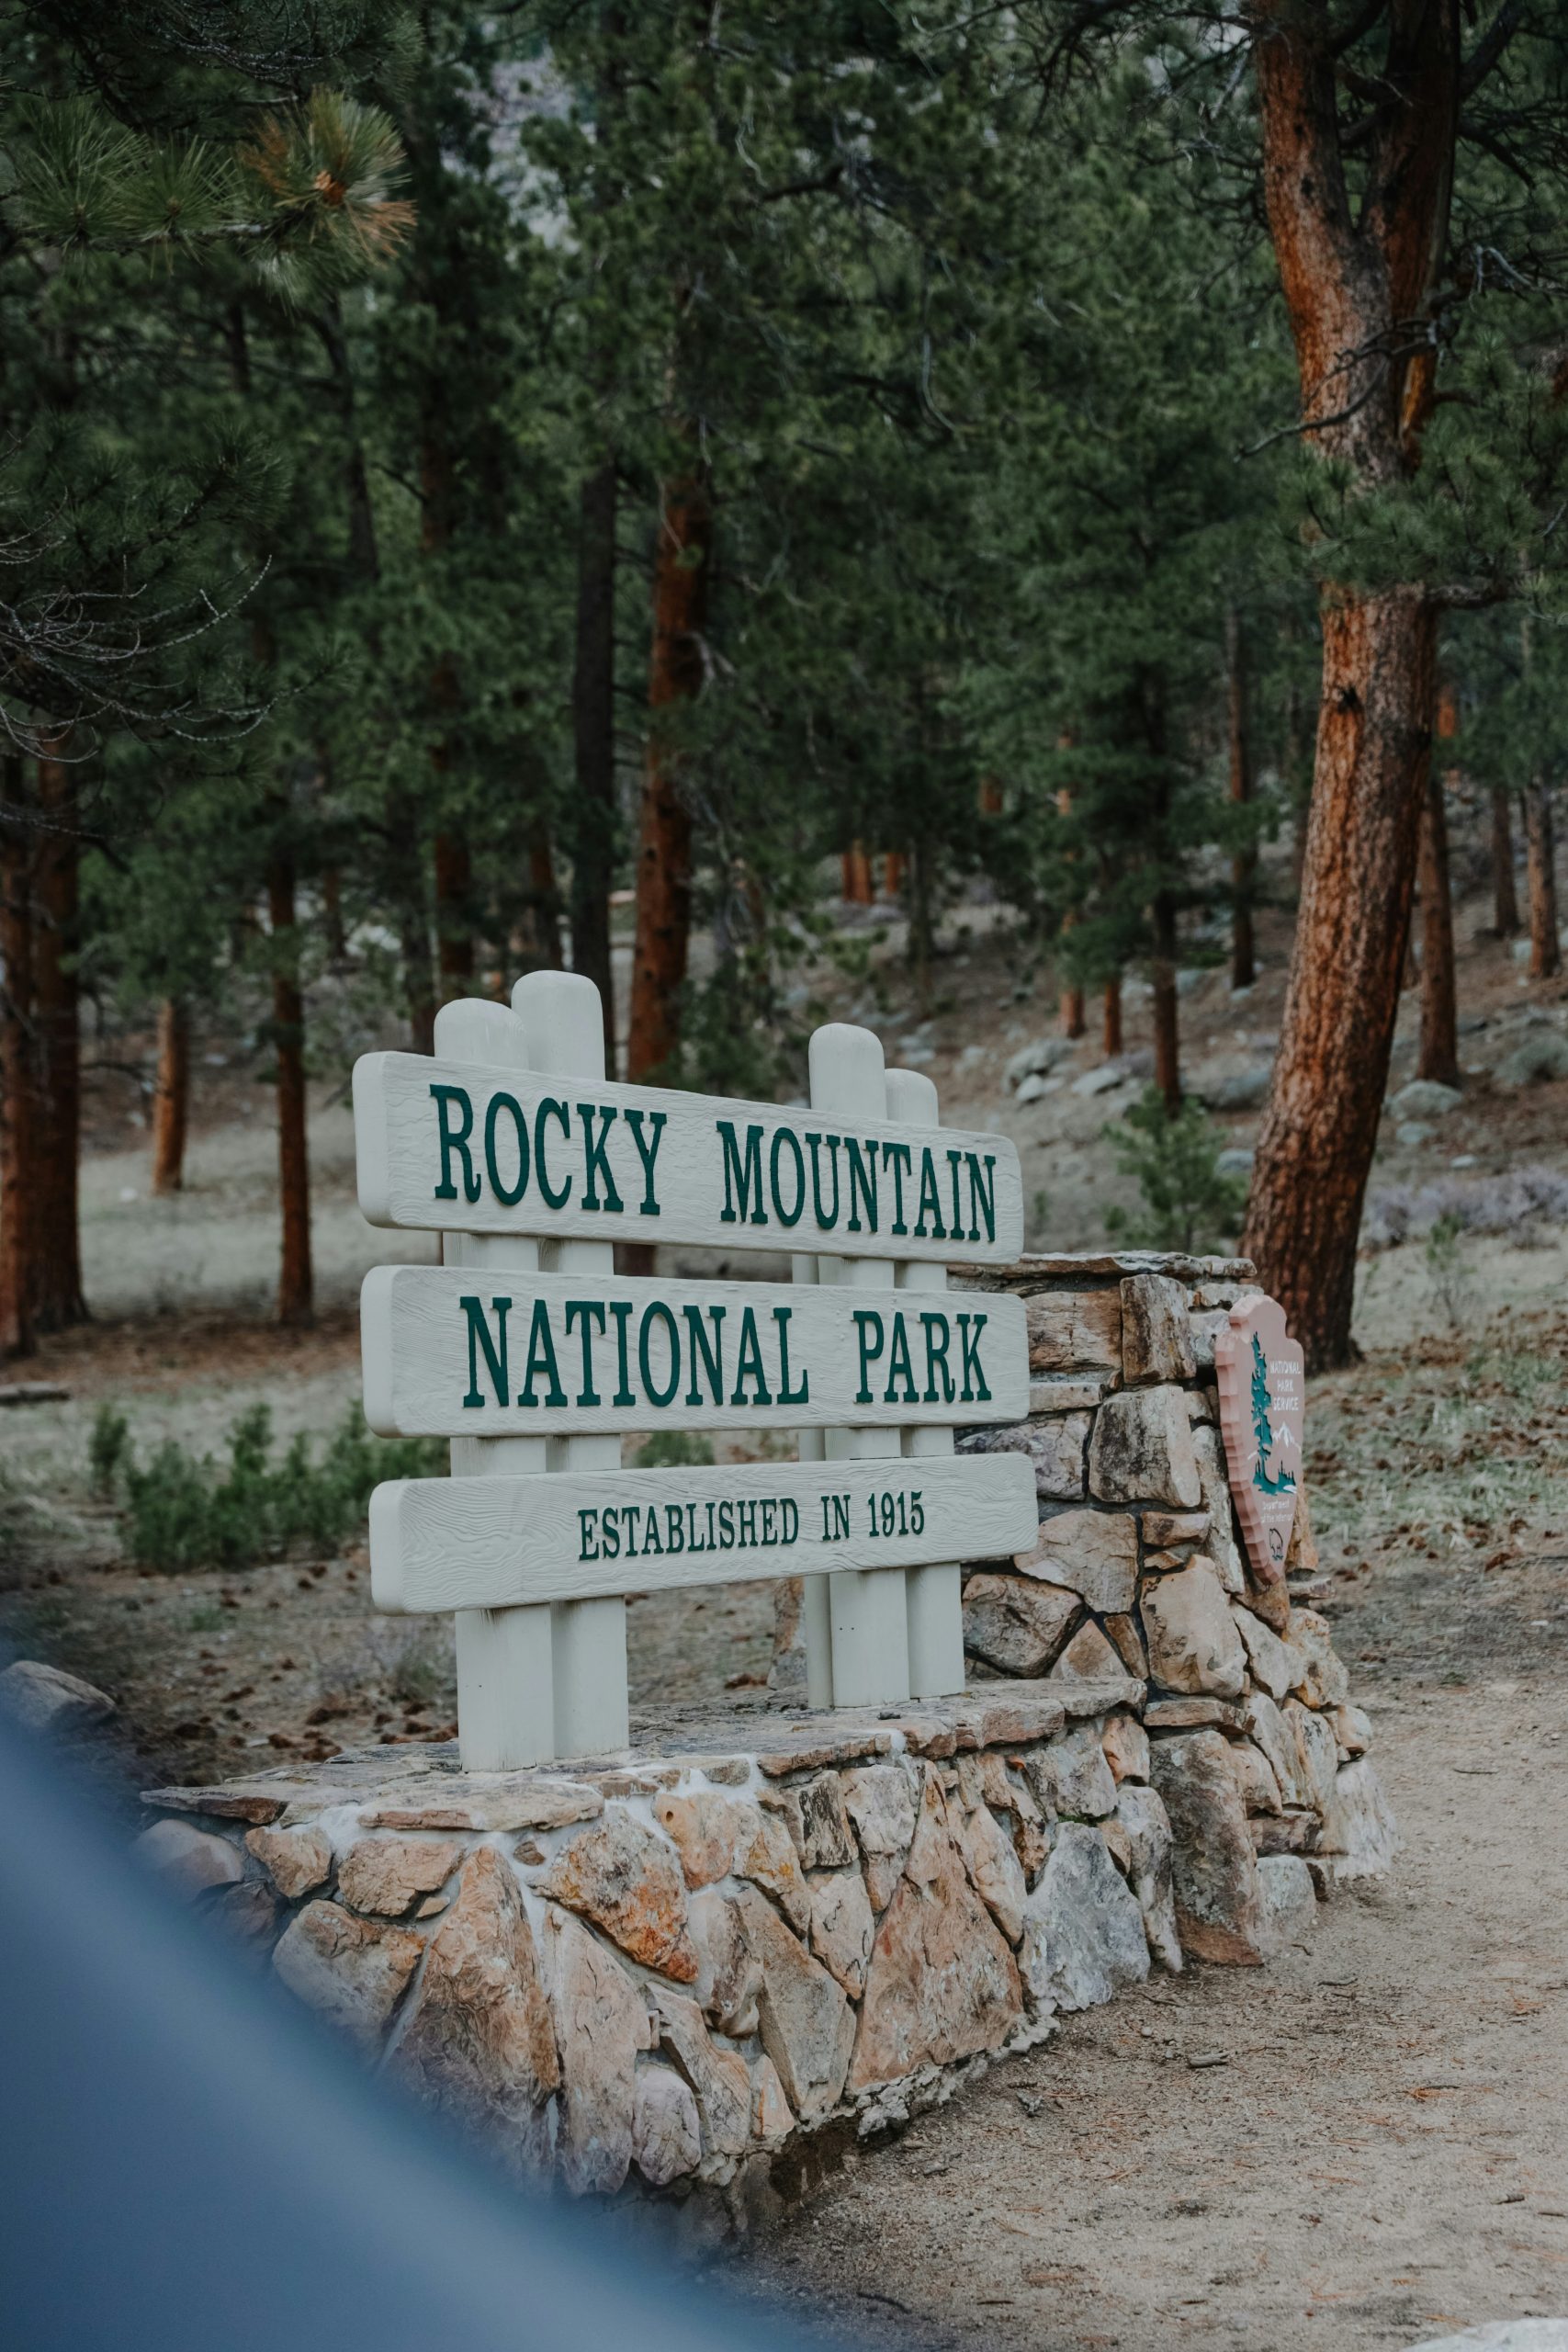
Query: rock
pixel 772 2120
pixel 1089 1659
pixel 602 2021
pixel 880 1804
pixel 1411 1133
pixel 1286 1833
pixel 1016 1624
pixel 1092 1552
pixel 942 1983
pixel 1175 1531
pixel 1359 1831
pixel 45 1698
pixel 386 1874
pixel 728 1978
pixel 765 1853
pixel 994 1867
pixel 1127 1640
pixel 1142 1449
pixel 1254 1775
pixel 1069 1392
pixel 1118 1845
pixel 1243 1089
pixel 1319 1677
pixel 1270 1660
pixel 1192 1714
pixel 806 2026
pixel 1541 1059
pixel 478 2038
pixel 1042 1054
pixel 1300 1561
pixel 296 1860
pixel 351 1972
pixel 667 2141
pixel 628 1882
pixel 1108 1076
pixel 1156 1338
pixel 1193 1643
pixel 1280 1744
pixel 1074 1330
pixel 701 1826
pixel 248 1912
pixel 1353 1730
pixel 1142 1817
pixel 718 2077
pixel 1084 1932
pixel 1127 1747
pixel 1218 1906
pixel 1034 1089
pixel 842 1928
pixel 1504 2335
pixel 1054 1449
pixel 1071 1776
pixel 1424 1098
pixel 1235 1160
pixel 828 1841
pixel 1319 1752
pixel 190 1860
pixel 1220 1546
pixel 1289 1902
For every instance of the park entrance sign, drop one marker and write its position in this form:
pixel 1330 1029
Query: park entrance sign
pixel 531 1354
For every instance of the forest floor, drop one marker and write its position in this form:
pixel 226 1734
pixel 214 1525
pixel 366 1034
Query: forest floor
pixel 1384 2149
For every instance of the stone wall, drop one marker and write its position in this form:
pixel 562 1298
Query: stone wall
pixel 668 1968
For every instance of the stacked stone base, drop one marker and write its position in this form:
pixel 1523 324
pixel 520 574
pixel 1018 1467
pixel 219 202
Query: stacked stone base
pixel 666 1969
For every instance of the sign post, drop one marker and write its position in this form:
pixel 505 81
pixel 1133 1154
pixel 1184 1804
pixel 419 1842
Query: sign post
pixel 526 1351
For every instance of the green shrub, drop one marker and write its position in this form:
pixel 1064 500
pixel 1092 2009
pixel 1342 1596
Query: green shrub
pixel 106 1448
pixel 673 1450
pixel 189 1511
pixel 1188 1203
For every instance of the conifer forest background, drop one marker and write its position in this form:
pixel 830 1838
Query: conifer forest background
pixel 744 500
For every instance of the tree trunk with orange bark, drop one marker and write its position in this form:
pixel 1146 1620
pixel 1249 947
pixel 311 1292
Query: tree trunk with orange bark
pixel 1243 864
pixel 1168 1031
pixel 681 565
pixel 1360 246
pixel 1540 875
pixel 1439 1012
pixel 55 1268
pixel 1505 895
pixel 296 1294
pixel 18 1099
pixel 171 1097
pixel 859 890
pixel 1113 1045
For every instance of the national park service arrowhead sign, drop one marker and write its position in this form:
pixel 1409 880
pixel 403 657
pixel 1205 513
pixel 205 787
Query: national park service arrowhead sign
pixel 1262 1382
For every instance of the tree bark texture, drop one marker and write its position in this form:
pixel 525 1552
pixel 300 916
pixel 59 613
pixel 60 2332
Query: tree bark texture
pixel 597 817
pixel 682 567
pixel 1540 871
pixel 1319 1132
pixel 171 1097
pixel 858 887
pixel 454 913
pixel 1504 896
pixel 295 1284
pixel 55 1273
pixel 18 1099
pixel 1167 1033
pixel 1243 864
pixel 1113 1045
pixel 1439 1012
pixel 1360 252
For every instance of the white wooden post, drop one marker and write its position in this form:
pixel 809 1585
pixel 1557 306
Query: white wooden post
pixel 505 1679
pixel 564 1022
pixel 933 1594
pixel 816 1616
pixel 869 1631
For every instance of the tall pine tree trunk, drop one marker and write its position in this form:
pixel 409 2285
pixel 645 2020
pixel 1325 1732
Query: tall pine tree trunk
pixel 1356 265
pixel 595 815
pixel 454 913
pixel 295 1294
pixel 1540 871
pixel 1320 1130
pixel 1167 1035
pixel 859 890
pixel 1439 1012
pixel 18 1099
pixel 1243 865
pixel 682 566
pixel 55 1273
pixel 1504 897
pixel 1113 1045
pixel 171 1096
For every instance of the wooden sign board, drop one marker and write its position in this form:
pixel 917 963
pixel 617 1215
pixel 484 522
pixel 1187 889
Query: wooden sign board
pixel 1262 1383
pixel 471 1352
pixel 505 1542
pixel 459 1146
